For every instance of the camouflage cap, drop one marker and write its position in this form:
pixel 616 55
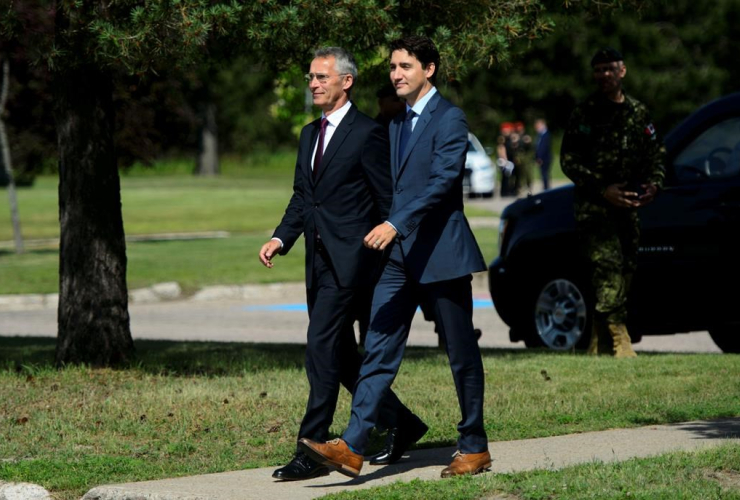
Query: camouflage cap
pixel 606 55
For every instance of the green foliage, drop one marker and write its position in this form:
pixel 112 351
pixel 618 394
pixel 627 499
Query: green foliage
pixel 236 53
pixel 679 55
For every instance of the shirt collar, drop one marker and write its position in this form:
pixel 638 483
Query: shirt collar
pixel 421 103
pixel 336 117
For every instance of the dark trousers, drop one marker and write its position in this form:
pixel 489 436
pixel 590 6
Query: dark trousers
pixel 331 351
pixel 394 303
pixel 545 173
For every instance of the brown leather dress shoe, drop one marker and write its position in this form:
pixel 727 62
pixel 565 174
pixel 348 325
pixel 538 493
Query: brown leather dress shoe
pixel 334 453
pixel 468 463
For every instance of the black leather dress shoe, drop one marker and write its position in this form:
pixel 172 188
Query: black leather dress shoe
pixel 398 440
pixel 301 467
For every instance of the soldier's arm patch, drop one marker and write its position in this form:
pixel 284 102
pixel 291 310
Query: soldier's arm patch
pixel 650 130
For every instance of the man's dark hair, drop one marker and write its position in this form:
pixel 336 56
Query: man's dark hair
pixel 422 48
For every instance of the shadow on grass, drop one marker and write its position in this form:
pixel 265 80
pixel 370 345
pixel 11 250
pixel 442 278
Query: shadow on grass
pixel 211 359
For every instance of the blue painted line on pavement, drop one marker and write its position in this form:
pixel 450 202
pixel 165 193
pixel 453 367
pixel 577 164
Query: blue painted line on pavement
pixel 278 307
pixel 477 304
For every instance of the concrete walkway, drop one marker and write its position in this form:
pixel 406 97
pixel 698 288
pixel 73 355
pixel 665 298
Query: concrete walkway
pixel 509 456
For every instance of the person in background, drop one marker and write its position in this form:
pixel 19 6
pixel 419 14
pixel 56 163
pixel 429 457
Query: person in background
pixel 504 160
pixel 523 158
pixel 389 105
pixel 543 151
pixel 613 155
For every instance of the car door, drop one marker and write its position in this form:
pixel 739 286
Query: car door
pixel 689 253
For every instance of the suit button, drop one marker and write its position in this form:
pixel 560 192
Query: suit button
pixel 317 205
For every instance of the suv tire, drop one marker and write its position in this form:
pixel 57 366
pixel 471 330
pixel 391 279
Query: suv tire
pixel 558 315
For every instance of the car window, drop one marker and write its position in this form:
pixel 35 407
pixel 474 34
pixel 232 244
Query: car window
pixel 715 154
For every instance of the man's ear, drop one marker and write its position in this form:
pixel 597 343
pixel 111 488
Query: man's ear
pixel 622 70
pixel 348 82
pixel 429 70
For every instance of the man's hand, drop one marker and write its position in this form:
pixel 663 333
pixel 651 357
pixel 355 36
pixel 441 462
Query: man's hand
pixel 649 195
pixel 269 249
pixel 380 237
pixel 617 196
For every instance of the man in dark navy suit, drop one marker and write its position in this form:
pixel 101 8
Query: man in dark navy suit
pixel 341 190
pixel 432 253
pixel 543 153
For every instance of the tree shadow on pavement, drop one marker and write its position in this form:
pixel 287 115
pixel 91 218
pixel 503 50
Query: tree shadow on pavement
pixel 723 428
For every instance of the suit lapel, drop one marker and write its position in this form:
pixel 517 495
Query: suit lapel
pixel 344 128
pixel 421 124
pixel 395 137
pixel 308 154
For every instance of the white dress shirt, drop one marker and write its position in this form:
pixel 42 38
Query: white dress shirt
pixel 334 120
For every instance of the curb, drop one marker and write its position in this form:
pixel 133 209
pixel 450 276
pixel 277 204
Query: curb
pixel 54 242
pixel 155 293
pixel 162 292
pixel 23 491
pixel 171 291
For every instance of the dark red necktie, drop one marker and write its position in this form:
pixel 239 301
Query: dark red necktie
pixel 319 148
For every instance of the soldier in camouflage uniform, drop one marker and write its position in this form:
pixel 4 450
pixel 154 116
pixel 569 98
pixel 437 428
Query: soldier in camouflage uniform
pixel 613 156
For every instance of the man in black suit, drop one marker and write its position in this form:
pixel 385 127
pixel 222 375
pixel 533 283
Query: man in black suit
pixel 341 190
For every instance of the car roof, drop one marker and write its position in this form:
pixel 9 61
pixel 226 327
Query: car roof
pixel 700 120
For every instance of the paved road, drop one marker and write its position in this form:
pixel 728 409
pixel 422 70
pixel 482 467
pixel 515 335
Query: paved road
pixel 279 316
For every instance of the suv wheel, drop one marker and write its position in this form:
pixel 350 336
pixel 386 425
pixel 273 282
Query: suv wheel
pixel 560 316
pixel 726 338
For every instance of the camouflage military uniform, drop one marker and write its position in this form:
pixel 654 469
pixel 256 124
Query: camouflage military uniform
pixel 610 143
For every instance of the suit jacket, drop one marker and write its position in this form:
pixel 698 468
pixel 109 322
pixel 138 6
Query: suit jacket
pixel 427 209
pixel 350 196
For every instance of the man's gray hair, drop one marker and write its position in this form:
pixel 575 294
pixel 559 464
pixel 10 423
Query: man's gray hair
pixel 345 61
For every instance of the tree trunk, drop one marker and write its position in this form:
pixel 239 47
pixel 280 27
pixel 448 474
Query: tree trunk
pixel 6 161
pixel 93 297
pixel 207 164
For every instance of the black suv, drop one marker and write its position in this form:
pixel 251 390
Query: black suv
pixel 688 275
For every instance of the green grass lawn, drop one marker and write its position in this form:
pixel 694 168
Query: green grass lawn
pixel 246 198
pixel 193 264
pixel 189 408
pixel 252 201
pixel 248 201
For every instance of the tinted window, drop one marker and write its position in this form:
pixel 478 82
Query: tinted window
pixel 715 154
